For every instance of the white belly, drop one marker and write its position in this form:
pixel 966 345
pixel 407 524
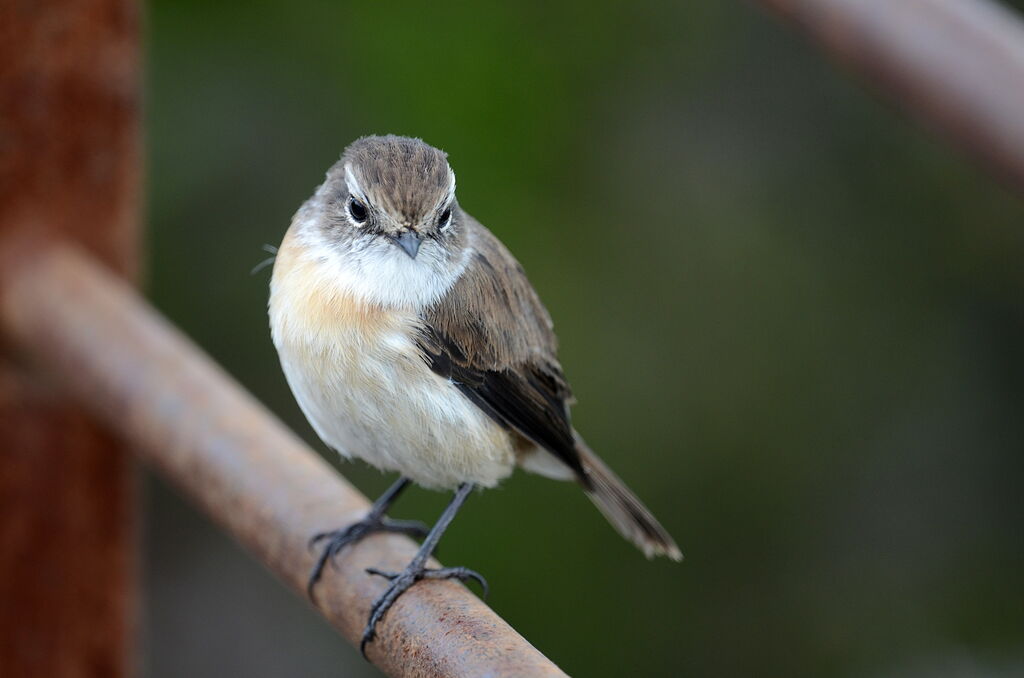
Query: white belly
pixel 360 380
pixel 381 403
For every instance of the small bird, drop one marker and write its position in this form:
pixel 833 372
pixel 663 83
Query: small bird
pixel 412 339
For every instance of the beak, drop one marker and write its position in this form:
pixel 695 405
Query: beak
pixel 410 242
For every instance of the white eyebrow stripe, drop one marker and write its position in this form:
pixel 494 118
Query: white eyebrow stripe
pixel 353 186
pixel 450 195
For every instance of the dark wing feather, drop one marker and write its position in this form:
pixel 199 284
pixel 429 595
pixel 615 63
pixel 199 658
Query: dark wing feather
pixel 493 338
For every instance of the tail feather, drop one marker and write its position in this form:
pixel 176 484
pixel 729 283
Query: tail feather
pixel 623 509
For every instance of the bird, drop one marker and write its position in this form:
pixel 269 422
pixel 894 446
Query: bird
pixel 412 339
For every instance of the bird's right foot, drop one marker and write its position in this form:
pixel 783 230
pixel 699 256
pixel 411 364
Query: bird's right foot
pixel 336 540
pixel 402 582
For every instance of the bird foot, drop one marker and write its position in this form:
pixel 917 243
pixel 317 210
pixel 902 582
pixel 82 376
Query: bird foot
pixel 402 582
pixel 336 540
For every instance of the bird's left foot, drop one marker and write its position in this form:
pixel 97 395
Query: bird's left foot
pixel 402 582
pixel 336 540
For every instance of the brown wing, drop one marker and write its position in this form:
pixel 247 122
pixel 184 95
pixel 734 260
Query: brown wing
pixel 493 338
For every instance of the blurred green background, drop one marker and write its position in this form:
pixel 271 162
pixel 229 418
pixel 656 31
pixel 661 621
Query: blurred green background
pixel 793 322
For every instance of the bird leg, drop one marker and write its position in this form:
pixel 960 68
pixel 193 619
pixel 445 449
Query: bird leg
pixel 375 521
pixel 417 569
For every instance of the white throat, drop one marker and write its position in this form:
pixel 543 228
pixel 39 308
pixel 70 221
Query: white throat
pixel 377 272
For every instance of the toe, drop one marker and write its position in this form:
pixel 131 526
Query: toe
pixel 381 573
pixel 413 528
pixel 463 574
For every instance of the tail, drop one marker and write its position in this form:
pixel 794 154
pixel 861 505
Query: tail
pixel 623 509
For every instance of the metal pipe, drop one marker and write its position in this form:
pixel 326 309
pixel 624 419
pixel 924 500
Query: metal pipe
pixel 955 65
pixel 191 421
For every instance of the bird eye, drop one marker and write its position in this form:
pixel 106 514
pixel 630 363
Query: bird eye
pixel 357 211
pixel 445 218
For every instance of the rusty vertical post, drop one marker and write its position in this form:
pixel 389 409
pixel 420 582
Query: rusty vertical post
pixel 69 166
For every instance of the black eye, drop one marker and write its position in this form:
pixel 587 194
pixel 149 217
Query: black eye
pixel 357 211
pixel 442 220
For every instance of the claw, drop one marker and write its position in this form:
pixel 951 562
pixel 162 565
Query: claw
pixel 316 538
pixel 368 635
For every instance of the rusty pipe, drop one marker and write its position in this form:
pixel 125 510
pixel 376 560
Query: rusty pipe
pixel 955 65
pixel 186 417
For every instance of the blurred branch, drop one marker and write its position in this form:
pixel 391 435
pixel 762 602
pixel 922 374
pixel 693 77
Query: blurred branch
pixel 196 426
pixel 955 65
